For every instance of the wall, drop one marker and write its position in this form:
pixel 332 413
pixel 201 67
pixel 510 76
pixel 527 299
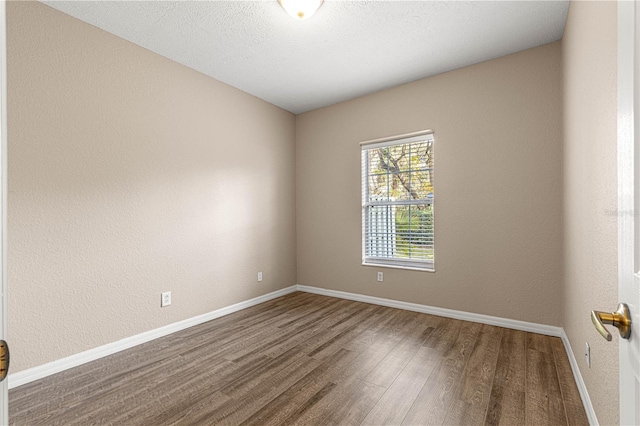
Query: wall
pixel 498 188
pixel 130 175
pixel 590 189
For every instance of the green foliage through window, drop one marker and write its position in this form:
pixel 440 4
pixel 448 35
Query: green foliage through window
pixel 398 201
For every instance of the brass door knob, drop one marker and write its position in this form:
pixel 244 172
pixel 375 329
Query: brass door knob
pixel 4 360
pixel 621 319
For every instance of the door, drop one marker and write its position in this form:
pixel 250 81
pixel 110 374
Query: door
pixel 629 204
pixel 4 358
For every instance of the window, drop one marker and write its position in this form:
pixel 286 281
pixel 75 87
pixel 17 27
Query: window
pixel 397 201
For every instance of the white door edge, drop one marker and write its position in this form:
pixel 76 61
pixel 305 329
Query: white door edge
pixel 627 150
pixel 4 390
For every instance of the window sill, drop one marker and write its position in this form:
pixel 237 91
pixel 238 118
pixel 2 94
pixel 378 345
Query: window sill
pixel 409 268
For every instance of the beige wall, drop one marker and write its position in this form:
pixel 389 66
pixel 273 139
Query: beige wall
pixel 590 188
pixel 498 190
pixel 130 175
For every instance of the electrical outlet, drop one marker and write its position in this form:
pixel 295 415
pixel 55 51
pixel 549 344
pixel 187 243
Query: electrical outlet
pixel 380 276
pixel 587 354
pixel 259 276
pixel 166 299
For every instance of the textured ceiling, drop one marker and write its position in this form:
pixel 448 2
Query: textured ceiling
pixel 347 49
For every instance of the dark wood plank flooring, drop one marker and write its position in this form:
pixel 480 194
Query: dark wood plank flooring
pixel 314 360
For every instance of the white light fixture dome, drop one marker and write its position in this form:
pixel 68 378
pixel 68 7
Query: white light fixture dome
pixel 300 9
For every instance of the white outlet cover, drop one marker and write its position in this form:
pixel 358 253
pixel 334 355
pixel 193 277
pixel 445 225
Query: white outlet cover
pixel 259 276
pixel 166 299
pixel 380 276
pixel 587 354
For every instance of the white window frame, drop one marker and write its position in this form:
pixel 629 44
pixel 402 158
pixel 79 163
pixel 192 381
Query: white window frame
pixel 391 262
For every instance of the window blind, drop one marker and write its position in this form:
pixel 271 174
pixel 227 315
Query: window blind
pixel 398 201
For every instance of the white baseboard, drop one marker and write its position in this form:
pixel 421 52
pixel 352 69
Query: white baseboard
pixel 582 388
pixel 41 371
pixel 548 330
pixel 480 318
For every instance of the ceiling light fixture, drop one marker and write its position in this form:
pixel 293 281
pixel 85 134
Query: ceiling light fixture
pixel 300 9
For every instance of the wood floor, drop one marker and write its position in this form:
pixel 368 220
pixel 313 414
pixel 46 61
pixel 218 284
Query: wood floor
pixel 314 360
